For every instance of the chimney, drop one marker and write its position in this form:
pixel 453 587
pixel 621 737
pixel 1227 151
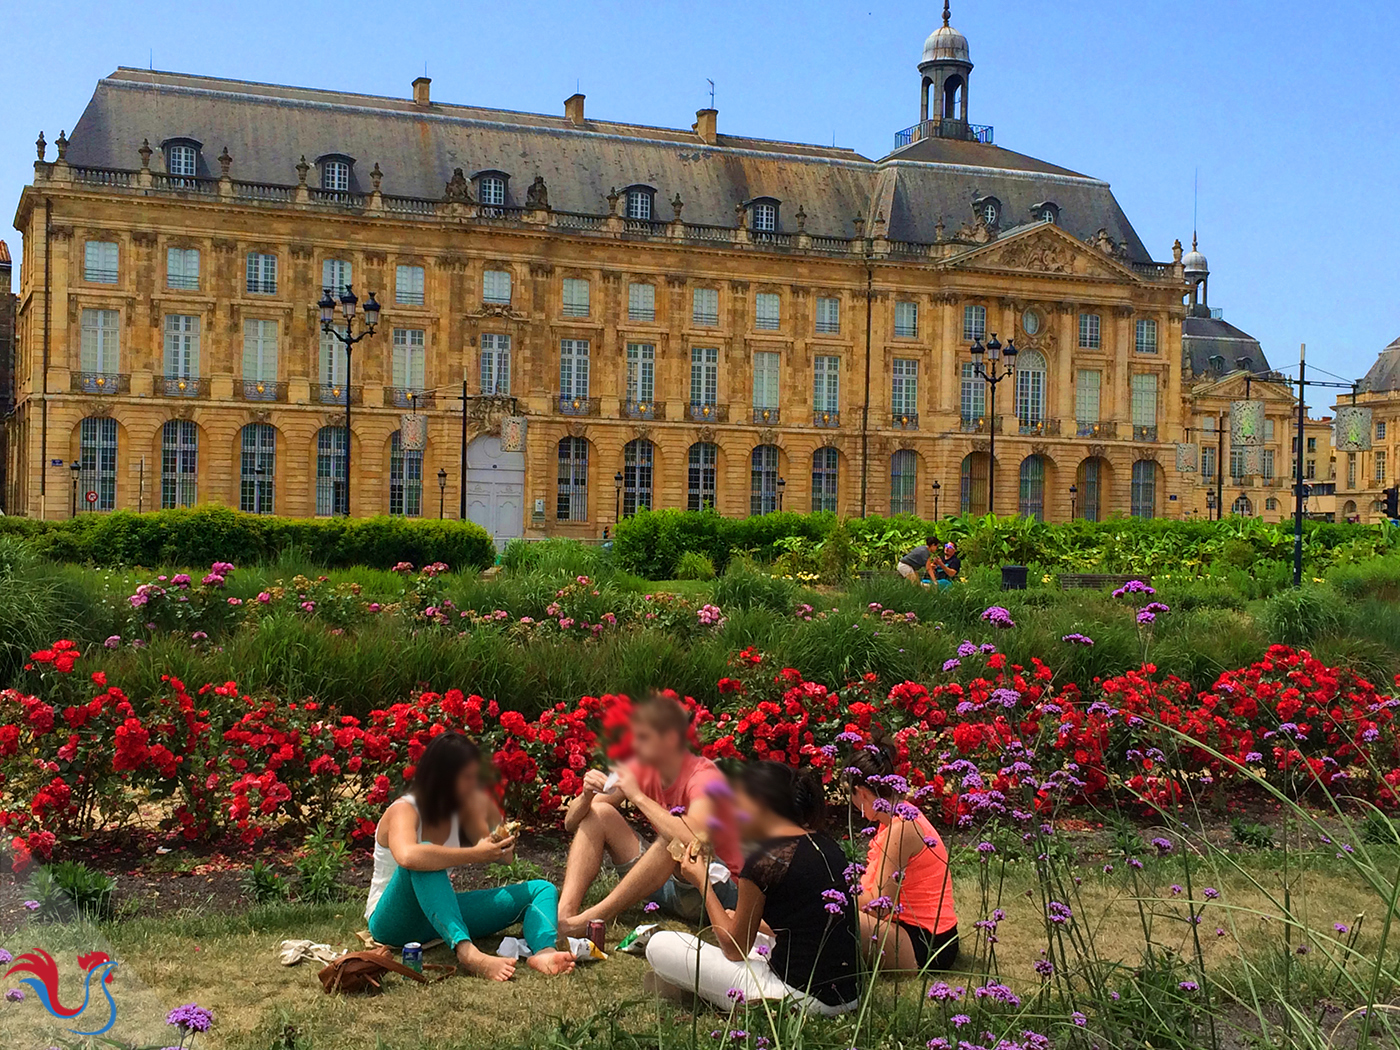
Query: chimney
pixel 573 109
pixel 705 125
pixel 420 91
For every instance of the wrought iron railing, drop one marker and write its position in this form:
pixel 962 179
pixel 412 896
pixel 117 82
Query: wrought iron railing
pixel 826 418
pixel 185 386
pixel 1038 427
pixel 1144 433
pixel 766 416
pixel 944 129
pixel 264 390
pixel 404 397
pixel 644 409
pixel 577 406
pixel 705 412
pixel 101 382
pixel 337 394
pixel 905 421
pixel 1101 429
pixel 978 425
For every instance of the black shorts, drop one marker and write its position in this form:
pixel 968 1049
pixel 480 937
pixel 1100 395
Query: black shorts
pixel 932 951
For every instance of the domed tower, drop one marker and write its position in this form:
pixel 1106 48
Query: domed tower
pixel 1197 272
pixel 945 68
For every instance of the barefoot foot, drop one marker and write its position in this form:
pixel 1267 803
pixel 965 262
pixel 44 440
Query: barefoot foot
pixel 551 962
pixel 479 964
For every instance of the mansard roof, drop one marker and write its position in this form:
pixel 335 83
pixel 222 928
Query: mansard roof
pixel 266 128
pixel 1205 337
pixel 1384 375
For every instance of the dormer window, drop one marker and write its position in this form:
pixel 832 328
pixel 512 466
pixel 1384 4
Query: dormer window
pixel 988 210
pixel 639 200
pixel 335 175
pixel 492 190
pixel 181 159
pixel 765 216
pixel 1048 212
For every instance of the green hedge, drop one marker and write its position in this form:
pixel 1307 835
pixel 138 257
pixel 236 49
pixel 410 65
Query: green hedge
pixel 651 543
pixel 208 534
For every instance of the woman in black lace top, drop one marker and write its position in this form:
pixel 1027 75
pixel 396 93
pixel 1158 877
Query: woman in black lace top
pixel 795 882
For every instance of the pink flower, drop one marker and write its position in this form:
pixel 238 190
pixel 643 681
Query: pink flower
pixel 264 597
pixel 235 601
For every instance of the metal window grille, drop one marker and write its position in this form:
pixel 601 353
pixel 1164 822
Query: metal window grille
pixel 636 476
pixel 97 461
pixel 825 464
pixel 763 490
pixel 331 490
pixel 257 467
pixel 700 486
pixel 1144 489
pixel 572 502
pixel 179 463
pixel 903 480
pixel 1032 501
pixel 405 478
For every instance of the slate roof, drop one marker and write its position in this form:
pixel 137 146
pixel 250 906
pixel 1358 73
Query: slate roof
pixel 1205 337
pixel 1384 375
pixel 268 127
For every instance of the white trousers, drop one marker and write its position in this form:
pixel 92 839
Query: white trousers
pixel 675 958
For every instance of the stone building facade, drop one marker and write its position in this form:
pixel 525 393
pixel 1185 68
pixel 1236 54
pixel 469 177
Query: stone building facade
pixel 681 317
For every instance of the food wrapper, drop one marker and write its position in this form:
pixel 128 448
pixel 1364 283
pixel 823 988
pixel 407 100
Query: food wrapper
pixel 581 948
pixel 635 943
pixel 698 847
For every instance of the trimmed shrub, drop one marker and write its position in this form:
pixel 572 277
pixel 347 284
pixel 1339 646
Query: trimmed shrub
pixel 744 587
pixel 208 534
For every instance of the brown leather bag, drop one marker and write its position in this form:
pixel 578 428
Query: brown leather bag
pixel 356 972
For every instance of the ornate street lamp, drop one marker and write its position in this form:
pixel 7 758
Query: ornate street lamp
pixel 991 367
pixel 442 490
pixel 76 467
pixel 347 338
pixel 1073 492
pixel 617 501
pixel 782 484
pixel 936 488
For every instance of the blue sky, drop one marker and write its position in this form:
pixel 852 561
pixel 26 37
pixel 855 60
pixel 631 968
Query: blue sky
pixel 1288 109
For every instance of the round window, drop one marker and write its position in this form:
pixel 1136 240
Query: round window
pixel 1030 322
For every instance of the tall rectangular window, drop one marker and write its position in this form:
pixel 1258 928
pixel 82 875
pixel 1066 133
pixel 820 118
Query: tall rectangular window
pixel 1351 470
pixel 179 463
pixel 1208 461
pixel 1239 464
pixel 100 262
pixel 495 288
pixel 257 468
pixel 405 478
pixel 825 466
pixel 704 375
pixel 182 268
pixel 828 314
pixel 1146 341
pixel 1145 399
pixel 906 319
pixel 573 368
pixel 1268 464
pixel 495 363
pixel 181 346
pixel 572 501
pixel 641 373
pixel 97 460
pixel 332 361
pixel 904 388
pixel 101 341
pixel 259 359
pixel 826 384
pixel 903 479
pixel 974 323
pixel 973 398
pixel 1379 459
pixel 1087 385
pixel 700 482
pixel 408 285
pixel 1089 337
pixel 763 486
pixel 336 274
pixel 704 306
pixel 575 297
pixel 262 273
pixel 409 359
pixel 767 372
pixel 767 311
pixel 641 302
pixel 1380 430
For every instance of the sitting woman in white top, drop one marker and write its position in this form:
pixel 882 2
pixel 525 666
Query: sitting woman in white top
pixel 425 833
pixel 794 881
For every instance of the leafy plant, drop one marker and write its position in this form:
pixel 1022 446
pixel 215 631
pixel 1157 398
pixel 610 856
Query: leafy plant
pixel 520 869
pixel 264 885
pixel 320 868
pixel 71 888
pixel 1250 834
pixel 695 566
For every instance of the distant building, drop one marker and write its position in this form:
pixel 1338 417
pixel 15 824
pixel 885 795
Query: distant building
pixel 1362 476
pixel 8 471
pixel 684 317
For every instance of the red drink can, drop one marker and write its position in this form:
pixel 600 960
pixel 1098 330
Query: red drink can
pixel 597 931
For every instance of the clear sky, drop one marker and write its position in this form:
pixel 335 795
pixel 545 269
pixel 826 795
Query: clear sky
pixel 1288 109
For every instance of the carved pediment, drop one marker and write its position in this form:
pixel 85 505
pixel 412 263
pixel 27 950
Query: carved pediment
pixel 497 310
pixel 1045 250
pixel 577 429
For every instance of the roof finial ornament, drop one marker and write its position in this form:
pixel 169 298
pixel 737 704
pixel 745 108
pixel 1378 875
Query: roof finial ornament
pixel 946 13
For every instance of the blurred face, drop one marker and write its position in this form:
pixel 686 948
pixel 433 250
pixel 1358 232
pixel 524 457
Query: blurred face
pixel 468 780
pixel 652 746
pixel 753 817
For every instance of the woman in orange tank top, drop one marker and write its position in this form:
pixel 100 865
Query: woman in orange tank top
pixel 907 919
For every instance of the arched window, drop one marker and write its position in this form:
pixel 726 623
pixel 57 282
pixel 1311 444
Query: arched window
pixel 1242 506
pixel 763 492
pixel 1144 494
pixel 904 469
pixel 179 463
pixel 405 478
pixel 1271 504
pixel 1032 503
pixel 1089 504
pixel 1030 391
pixel 97 458
pixel 257 467
pixel 700 485
pixel 636 476
pixel 492 190
pixel 1349 510
pixel 952 97
pixel 1048 212
pixel 825 464
pixel 572 501
pixel 639 203
pixel 974 483
pixel 330 471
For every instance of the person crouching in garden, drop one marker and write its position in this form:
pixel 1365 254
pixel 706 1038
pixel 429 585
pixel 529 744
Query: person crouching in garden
pixel 680 794
pixel 445 820
pixel 907 919
pixel 795 883
pixel 912 565
pixel 946 565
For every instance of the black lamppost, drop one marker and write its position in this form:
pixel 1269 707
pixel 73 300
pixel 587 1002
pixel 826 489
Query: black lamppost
pixel 936 488
pixel 617 501
pixel 76 467
pixel 348 301
pixel 1073 492
pixel 442 490
pixel 1210 504
pixel 782 484
pixel 992 370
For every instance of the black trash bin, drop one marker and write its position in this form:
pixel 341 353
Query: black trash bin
pixel 1013 577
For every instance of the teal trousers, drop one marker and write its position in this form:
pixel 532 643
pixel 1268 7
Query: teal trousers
pixel 421 905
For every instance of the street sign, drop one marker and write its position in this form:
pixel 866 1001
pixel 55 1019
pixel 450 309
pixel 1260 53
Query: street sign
pixel 91 497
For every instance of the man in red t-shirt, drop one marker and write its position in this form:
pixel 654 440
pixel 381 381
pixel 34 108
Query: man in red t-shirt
pixel 679 793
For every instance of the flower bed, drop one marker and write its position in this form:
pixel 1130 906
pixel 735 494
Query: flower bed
pixel 77 754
